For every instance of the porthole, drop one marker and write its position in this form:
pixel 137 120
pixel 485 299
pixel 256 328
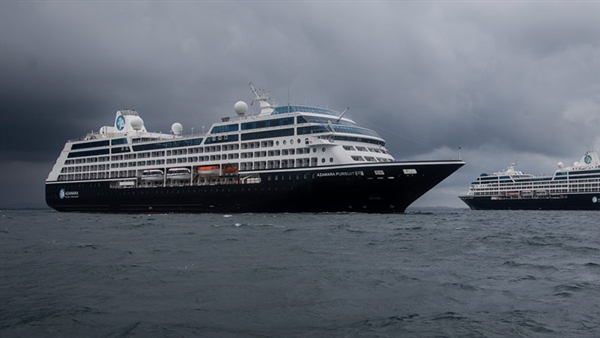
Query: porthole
pixel 277 143
pixel 298 141
pixel 323 149
pixel 323 160
pixel 331 159
pixel 314 150
pixel 284 142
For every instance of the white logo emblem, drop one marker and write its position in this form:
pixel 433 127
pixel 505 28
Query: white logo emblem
pixel 120 122
pixel 594 199
pixel 61 193
pixel 587 159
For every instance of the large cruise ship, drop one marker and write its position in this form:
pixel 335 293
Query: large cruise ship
pixel 569 188
pixel 285 159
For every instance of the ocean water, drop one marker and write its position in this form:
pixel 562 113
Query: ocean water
pixel 440 273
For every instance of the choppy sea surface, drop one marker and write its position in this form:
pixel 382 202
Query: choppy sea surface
pixel 434 273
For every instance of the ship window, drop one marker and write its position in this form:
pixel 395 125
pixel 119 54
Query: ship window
pixel 358 139
pixel 323 149
pixel 268 123
pixel 331 159
pixel 291 109
pixel 118 141
pixel 221 139
pixel 89 145
pixel 119 150
pixel 268 134
pixel 313 130
pixel 88 153
pixel 170 144
pixel 323 160
pixel 225 128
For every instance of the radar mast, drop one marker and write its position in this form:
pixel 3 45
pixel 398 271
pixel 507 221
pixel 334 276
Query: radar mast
pixel 266 108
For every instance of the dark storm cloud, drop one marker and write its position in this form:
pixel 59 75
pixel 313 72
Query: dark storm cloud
pixel 503 80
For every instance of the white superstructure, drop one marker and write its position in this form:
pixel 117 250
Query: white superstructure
pixel 278 137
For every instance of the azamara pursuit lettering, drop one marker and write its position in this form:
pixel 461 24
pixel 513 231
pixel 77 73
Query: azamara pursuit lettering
pixel 341 173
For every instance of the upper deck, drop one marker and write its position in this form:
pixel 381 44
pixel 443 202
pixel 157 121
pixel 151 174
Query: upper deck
pixel 282 137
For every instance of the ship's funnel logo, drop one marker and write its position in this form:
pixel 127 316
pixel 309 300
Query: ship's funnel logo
pixel 587 159
pixel 120 122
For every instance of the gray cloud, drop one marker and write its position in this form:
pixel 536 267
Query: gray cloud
pixel 503 80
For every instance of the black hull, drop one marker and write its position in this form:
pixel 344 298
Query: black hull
pixel 585 201
pixel 356 188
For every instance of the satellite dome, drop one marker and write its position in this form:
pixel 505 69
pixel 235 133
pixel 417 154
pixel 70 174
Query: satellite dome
pixel 240 108
pixel 136 123
pixel 176 128
pixel 560 165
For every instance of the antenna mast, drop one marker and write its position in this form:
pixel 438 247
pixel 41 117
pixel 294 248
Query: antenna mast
pixel 265 107
pixel 344 112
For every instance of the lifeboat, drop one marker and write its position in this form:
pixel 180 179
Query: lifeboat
pixel 526 193
pixel 179 174
pixel 209 170
pixel 230 169
pixel 152 175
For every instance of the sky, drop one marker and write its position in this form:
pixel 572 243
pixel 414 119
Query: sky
pixel 506 81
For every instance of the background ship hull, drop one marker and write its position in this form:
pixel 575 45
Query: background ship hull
pixel 325 189
pixel 568 202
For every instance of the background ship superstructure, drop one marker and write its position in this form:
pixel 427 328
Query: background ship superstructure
pixel 570 188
